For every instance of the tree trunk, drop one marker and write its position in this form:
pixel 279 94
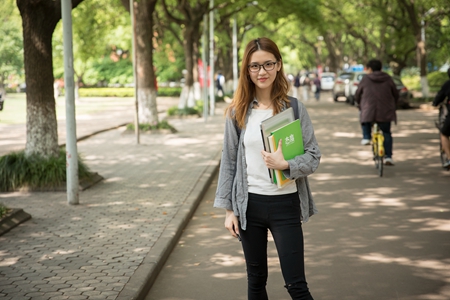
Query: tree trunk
pixel 39 20
pixel 187 96
pixel 146 89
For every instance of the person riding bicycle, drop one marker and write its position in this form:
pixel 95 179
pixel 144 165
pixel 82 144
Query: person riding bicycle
pixel 444 93
pixel 377 98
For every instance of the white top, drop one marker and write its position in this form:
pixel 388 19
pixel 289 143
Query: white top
pixel 258 178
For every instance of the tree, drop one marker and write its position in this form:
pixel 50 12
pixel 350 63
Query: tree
pixel 11 56
pixel 146 89
pixel 189 16
pixel 39 18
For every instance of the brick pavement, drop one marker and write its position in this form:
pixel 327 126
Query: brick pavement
pixel 111 245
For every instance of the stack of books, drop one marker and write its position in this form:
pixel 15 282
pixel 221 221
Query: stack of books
pixel 282 126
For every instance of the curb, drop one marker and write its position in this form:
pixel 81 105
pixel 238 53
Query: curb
pixel 13 219
pixel 145 275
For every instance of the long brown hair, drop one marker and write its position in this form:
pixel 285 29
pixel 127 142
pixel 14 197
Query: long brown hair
pixel 246 91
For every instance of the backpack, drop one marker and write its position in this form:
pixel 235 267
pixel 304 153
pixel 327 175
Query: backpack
pixel 294 105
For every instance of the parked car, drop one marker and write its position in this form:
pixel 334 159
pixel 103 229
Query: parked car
pixel 346 85
pixel 404 94
pixel 327 80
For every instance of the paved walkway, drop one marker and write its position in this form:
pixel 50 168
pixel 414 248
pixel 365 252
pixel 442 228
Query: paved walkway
pixel 111 245
pixel 375 238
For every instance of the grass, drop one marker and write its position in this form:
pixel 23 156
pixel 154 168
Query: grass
pixel 149 127
pixel 3 210
pixel 36 172
pixel 15 107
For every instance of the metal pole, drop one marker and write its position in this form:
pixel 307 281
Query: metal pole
pixel 205 68
pixel 71 132
pixel 136 101
pixel 235 55
pixel 212 98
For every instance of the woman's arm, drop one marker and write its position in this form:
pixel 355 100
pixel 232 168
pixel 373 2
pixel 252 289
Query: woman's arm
pixel 227 166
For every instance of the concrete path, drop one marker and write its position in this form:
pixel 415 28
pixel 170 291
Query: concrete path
pixel 374 238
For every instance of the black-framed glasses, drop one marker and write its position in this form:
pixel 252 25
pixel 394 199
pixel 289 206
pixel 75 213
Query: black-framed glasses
pixel 268 66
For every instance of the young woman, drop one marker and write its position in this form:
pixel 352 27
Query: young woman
pixel 253 203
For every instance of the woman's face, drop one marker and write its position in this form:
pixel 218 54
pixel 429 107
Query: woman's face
pixel 263 69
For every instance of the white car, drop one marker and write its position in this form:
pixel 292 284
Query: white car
pixel 327 80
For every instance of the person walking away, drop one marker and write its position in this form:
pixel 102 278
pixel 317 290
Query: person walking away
pixel 318 87
pixel 296 85
pixel 377 98
pixel 253 204
pixel 304 82
pixel 444 94
pixel 220 81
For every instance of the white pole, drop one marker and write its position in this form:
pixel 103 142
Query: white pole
pixel 205 67
pixel 136 101
pixel 235 55
pixel 71 132
pixel 211 59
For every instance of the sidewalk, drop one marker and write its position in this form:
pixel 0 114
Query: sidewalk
pixel 113 244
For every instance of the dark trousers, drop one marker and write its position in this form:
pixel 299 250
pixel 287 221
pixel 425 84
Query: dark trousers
pixel 281 215
pixel 386 128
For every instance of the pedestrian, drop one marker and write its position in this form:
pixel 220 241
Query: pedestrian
pixel 220 81
pixel 318 87
pixel 377 98
pixel 296 85
pixel 252 202
pixel 443 94
pixel 304 82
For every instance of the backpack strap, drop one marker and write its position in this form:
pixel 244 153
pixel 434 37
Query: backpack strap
pixel 294 105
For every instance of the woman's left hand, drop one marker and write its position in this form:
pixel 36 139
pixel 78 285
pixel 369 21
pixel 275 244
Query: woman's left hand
pixel 275 160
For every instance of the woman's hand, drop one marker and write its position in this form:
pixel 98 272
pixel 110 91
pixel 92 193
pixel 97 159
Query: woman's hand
pixel 275 160
pixel 232 223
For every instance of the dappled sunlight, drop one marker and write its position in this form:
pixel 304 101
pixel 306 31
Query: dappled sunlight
pixel 230 276
pixel 429 224
pixel 389 237
pixel 345 134
pixel 106 204
pixel 9 261
pixel 432 209
pixel 182 141
pixel 374 201
pixel 359 214
pixel 425 264
pixel 227 260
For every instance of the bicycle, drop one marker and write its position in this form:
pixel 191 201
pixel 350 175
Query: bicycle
pixel 443 111
pixel 378 148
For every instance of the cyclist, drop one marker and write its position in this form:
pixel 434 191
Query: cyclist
pixel 445 130
pixel 377 98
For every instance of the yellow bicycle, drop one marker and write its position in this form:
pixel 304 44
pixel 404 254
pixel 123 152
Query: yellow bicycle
pixel 443 111
pixel 378 148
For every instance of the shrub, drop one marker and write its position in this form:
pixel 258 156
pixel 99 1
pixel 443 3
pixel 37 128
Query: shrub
pixel 125 92
pixel 18 170
pixel 187 111
pixel 149 127
pixel 3 210
pixel 437 79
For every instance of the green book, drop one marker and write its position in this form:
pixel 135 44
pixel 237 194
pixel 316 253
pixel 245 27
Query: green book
pixel 292 145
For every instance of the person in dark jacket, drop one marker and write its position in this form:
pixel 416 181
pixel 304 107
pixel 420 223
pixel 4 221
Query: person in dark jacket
pixel 444 93
pixel 377 98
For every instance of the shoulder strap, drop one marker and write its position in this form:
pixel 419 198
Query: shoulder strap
pixel 294 105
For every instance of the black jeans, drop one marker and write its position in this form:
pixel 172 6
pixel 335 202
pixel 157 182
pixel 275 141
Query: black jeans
pixel 280 214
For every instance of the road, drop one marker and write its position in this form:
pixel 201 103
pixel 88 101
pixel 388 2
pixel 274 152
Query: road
pixel 374 238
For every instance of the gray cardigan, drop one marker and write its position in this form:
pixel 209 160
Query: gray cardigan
pixel 232 188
